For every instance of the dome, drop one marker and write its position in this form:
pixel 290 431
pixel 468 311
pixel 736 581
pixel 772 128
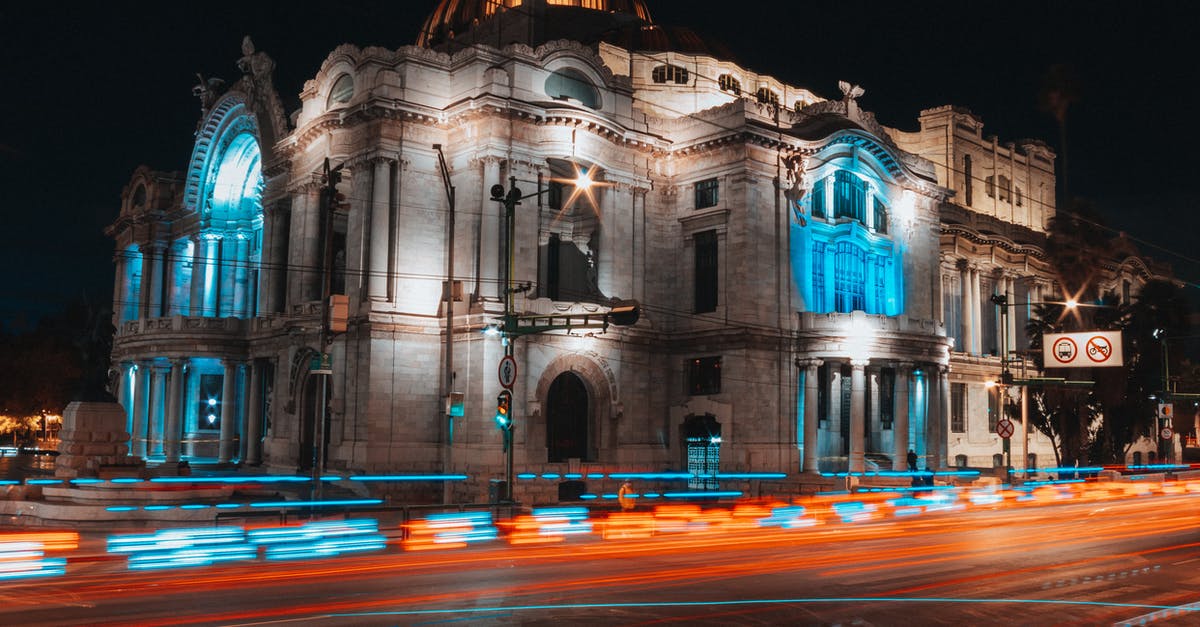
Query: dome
pixel 531 22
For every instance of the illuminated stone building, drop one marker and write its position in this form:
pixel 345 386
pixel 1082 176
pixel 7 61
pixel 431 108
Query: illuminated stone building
pixel 795 261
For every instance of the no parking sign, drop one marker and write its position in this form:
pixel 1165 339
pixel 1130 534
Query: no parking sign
pixel 1092 349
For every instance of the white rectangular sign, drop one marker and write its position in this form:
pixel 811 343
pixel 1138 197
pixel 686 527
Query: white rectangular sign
pixel 1090 349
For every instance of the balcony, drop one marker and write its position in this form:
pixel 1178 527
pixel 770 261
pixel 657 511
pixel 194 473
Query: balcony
pixel 160 333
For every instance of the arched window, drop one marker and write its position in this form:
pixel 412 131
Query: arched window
pixel 849 278
pixel 730 84
pixel 571 84
pixel 670 74
pixel 567 415
pixel 139 196
pixel 341 92
pixel 766 96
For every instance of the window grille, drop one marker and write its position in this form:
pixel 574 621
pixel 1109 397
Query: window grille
pixel 849 269
pixel 707 193
pixel 670 74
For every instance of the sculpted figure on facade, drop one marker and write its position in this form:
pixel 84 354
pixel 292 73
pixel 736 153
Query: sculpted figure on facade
pixel 798 184
pixel 208 90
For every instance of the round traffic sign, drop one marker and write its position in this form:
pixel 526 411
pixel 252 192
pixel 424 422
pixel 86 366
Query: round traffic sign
pixel 1004 428
pixel 507 372
pixel 1166 433
pixel 1099 349
pixel 1065 350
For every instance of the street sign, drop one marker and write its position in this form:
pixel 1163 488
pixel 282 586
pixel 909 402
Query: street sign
pixel 1004 428
pixel 507 372
pixel 1166 433
pixel 1091 349
pixel 321 364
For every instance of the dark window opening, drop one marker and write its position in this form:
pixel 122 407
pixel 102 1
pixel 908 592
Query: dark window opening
pixel 704 376
pixel 730 84
pixel 958 407
pixel 766 96
pixel 670 74
pixel 705 288
pixel 887 397
pixel 567 411
pixel 707 193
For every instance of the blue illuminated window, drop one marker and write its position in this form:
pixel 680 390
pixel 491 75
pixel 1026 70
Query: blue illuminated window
pixel 818 277
pixel 849 196
pixel 208 413
pixel 880 221
pixel 818 199
pixel 849 278
pixel 880 285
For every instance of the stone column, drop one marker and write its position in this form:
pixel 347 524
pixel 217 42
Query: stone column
pixel 606 258
pixel 229 412
pixel 1011 315
pixel 151 299
pixel 267 259
pixel 857 414
pixel 159 402
pixel 492 212
pixel 900 418
pixel 241 276
pixel 212 275
pixel 811 419
pixel 968 332
pixel 311 234
pixel 976 314
pixel 120 288
pixel 939 416
pixel 196 289
pixel 173 428
pixel 254 416
pixel 378 275
pixel 638 217
pixel 141 402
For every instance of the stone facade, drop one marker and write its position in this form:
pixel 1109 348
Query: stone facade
pixel 792 259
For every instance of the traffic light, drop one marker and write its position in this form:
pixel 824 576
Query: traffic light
pixel 503 406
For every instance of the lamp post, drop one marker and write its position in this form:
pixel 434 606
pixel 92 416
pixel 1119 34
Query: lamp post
pixel 1006 377
pixel 621 313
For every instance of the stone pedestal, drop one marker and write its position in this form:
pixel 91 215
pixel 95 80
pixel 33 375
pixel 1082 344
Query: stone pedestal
pixel 93 439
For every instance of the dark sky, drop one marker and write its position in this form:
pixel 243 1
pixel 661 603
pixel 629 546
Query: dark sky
pixel 92 91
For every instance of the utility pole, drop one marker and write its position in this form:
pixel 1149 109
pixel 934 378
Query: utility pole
pixel 332 318
pixel 448 297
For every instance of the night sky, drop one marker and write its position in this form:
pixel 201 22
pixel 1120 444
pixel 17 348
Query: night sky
pixel 92 91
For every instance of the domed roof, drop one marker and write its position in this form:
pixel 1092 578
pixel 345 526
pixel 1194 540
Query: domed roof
pixel 532 22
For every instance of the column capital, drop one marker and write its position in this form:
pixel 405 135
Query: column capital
pixel 809 363
pixel 859 364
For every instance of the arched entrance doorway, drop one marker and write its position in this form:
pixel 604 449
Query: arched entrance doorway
pixel 702 443
pixel 567 418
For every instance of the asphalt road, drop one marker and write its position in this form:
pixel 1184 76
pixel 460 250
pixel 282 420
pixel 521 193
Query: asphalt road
pixel 1088 563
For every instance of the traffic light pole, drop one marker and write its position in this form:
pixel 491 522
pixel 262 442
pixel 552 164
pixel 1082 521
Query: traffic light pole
pixel 511 200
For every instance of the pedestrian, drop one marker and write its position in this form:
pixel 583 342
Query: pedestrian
pixel 912 460
pixel 625 496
